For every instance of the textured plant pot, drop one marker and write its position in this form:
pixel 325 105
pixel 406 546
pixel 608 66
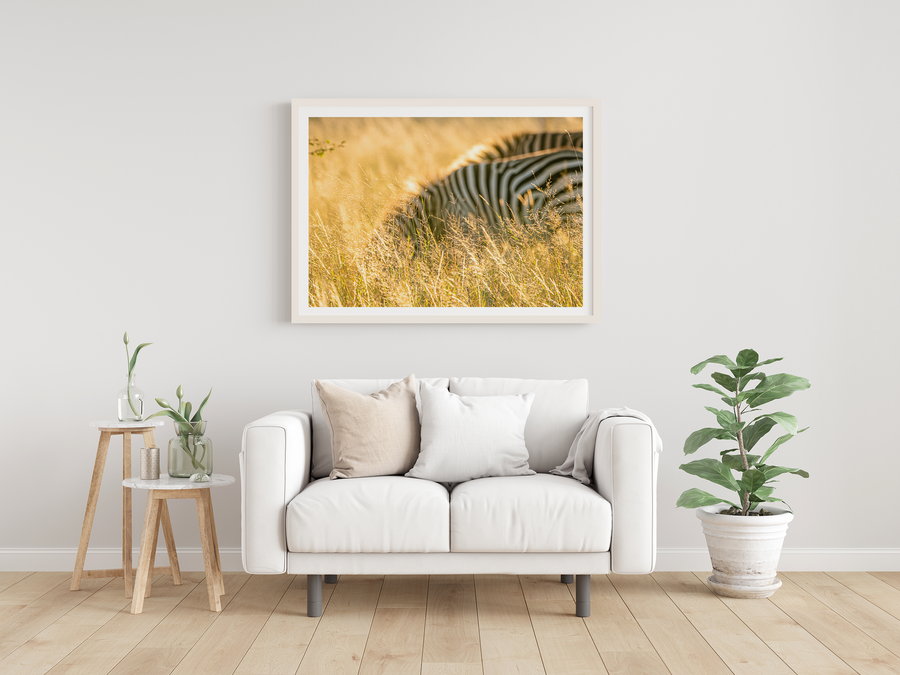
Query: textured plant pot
pixel 744 550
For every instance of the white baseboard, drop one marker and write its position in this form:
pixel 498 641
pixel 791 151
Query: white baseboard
pixel 792 560
pixel 63 559
pixel 667 559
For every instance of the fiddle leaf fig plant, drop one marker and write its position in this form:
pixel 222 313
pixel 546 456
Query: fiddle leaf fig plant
pixel 742 423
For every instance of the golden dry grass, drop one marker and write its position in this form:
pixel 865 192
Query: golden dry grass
pixel 358 260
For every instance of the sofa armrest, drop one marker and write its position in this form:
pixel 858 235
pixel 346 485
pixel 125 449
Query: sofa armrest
pixel 275 461
pixel 624 473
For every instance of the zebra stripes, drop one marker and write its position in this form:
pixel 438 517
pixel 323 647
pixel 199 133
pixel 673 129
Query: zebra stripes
pixel 525 144
pixel 511 188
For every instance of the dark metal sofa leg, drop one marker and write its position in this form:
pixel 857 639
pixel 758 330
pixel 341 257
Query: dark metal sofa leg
pixel 313 595
pixel 567 578
pixel 331 578
pixel 582 595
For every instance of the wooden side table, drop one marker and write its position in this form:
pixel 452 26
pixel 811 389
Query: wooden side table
pixel 159 491
pixel 107 431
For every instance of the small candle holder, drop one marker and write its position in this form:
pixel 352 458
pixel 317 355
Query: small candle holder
pixel 149 463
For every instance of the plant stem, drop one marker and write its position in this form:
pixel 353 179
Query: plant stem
pixel 745 496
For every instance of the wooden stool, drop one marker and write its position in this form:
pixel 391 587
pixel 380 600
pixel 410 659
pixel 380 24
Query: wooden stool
pixel 107 431
pixel 167 487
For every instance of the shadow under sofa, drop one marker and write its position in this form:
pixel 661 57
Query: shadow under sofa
pixel 296 520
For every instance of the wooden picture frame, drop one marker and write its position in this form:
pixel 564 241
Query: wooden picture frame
pixel 319 290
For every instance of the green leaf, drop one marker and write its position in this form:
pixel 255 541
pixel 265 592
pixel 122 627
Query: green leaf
pixel 721 359
pixel 762 493
pixel 781 440
pixel 788 422
pixel 765 363
pixel 752 480
pixel 196 417
pixel 749 378
pixel 725 380
pixel 712 470
pixel 759 428
pixel 726 419
pixel 691 499
pixel 187 410
pixel 171 414
pixel 135 355
pixel 774 387
pixel 773 471
pixel 746 362
pixel 703 436
pixel 734 461
pixel 709 387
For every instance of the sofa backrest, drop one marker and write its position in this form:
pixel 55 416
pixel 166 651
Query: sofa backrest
pixel 557 413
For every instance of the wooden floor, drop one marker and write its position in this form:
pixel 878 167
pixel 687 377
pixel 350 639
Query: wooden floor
pixel 816 624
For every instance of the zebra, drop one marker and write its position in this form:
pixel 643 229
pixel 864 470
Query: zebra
pixel 525 143
pixel 513 188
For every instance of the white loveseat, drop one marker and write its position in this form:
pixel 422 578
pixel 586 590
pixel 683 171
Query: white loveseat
pixel 297 520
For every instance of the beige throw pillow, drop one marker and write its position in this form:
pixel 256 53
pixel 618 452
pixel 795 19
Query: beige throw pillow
pixel 375 434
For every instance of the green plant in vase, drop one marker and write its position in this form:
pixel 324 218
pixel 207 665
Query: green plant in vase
pixel 131 399
pixel 190 452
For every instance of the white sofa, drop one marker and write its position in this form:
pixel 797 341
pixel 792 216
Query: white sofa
pixel 296 520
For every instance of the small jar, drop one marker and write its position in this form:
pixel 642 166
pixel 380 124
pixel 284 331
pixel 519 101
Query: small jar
pixel 149 463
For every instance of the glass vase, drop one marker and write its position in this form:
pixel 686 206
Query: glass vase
pixel 190 451
pixel 130 402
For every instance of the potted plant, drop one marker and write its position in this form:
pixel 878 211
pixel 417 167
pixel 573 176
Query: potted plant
pixel 190 452
pixel 744 540
pixel 130 398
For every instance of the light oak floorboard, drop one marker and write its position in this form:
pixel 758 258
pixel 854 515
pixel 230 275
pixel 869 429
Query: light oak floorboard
pixel 103 650
pixel 397 635
pixel 853 646
pixel 802 652
pixel 340 638
pixel 45 610
pixel 452 644
pixel 508 643
pixel 619 639
pixel 679 645
pixel 892 578
pixel 225 643
pixel 741 650
pixel 564 641
pixel 284 638
pixel 869 618
pixel 872 589
pixel 8 579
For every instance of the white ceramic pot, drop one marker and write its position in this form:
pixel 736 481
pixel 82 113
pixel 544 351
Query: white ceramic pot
pixel 744 550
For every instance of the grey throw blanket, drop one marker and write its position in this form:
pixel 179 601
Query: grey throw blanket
pixel 580 462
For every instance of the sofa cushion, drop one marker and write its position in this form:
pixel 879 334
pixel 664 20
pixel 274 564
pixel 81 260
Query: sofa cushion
pixel 466 437
pixel 382 514
pixel 371 435
pixel 540 513
pixel 322 462
pixel 560 408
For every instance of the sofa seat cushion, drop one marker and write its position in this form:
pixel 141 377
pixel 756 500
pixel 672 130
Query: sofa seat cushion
pixel 540 513
pixel 379 514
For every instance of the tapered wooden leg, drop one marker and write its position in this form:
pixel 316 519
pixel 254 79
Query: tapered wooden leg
pixel 162 505
pixel 149 536
pixel 90 509
pixel 313 595
pixel 127 542
pixel 170 542
pixel 209 557
pixel 215 540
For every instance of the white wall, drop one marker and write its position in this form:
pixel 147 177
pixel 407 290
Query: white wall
pixel 749 197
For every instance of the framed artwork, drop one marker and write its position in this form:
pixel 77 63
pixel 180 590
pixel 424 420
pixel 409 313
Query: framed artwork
pixel 481 211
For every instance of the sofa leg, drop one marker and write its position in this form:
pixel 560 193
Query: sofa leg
pixel 331 578
pixel 582 595
pixel 313 595
pixel 567 578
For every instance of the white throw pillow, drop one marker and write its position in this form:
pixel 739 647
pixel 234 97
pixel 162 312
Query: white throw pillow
pixel 466 437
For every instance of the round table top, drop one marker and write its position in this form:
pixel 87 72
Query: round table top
pixel 167 482
pixel 116 424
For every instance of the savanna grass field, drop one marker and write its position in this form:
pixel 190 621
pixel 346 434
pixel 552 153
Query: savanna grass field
pixel 362 169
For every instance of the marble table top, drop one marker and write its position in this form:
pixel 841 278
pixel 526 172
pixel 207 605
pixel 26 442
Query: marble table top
pixel 167 482
pixel 116 424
